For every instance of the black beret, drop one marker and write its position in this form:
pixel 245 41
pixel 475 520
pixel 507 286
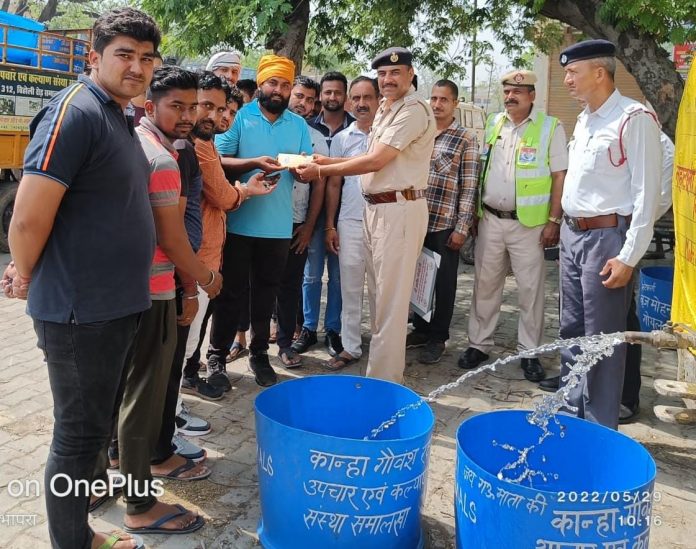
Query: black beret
pixel 392 56
pixel 588 49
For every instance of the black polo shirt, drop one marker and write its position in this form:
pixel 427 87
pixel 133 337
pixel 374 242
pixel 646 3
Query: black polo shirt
pixel 96 263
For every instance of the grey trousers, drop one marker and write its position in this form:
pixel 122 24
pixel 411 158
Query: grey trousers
pixel 588 308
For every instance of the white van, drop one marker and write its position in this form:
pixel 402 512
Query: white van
pixel 473 118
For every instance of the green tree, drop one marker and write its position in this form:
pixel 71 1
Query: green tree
pixel 351 31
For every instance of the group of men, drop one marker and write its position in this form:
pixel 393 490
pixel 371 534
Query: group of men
pixel 194 216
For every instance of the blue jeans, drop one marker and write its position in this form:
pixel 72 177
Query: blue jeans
pixel 311 286
pixel 86 370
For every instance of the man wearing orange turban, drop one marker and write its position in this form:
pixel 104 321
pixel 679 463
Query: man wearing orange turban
pixel 260 230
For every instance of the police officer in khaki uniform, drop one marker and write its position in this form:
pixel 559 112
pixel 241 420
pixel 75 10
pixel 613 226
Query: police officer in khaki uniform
pixel 394 179
pixel 523 167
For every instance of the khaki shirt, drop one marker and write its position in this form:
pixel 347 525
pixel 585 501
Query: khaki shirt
pixel 409 126
pixel 499 192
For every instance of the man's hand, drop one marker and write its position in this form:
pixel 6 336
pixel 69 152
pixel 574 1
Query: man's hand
pixel 301 238
pixel 267 163
pixel 189 308
pixel 619 273
pixel 308 172
pixel 321 159
pixel 258 185
pixel 332 241
pixel 550 234
pixel 14 285
pixel 456 241
pixel 211 287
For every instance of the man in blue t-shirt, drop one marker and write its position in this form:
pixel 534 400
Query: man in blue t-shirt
pixel 259 232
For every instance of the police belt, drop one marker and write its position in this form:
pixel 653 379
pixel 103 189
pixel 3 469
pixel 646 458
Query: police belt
pixel 500 213
pixel 391 196
pixel 597 222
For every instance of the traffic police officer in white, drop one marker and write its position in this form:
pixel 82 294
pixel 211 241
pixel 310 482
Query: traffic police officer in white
pixel 610 199
pixel 394 178
pixel 522 170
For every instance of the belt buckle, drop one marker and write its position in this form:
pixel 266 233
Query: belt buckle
pixel 505 214
pixel 572 223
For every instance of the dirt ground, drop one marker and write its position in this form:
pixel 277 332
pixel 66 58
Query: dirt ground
pixel 229 499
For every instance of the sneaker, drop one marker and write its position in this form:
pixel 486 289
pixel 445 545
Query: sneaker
pixel 201 388
pixel 190 425
pixel 188 450
pixel 416 339
pixel 333 342
pixel 305 341
pixel 217 373
pixel 263 371
pixel 432 352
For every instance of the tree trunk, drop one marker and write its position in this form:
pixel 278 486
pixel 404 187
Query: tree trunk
pixel 641 55
pixel 291 43
pixel 49 11
pixel 17 6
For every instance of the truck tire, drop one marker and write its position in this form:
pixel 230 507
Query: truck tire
pixel 8 192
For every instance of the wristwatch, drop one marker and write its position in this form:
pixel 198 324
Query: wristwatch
pixel 556 220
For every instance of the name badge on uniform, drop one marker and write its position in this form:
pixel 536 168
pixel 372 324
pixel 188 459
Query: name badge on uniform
pixel 528 155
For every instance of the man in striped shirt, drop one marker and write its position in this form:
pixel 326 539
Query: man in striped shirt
pixel 451 197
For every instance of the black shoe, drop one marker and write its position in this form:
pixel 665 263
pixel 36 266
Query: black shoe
pixel 305 341
pixel 533 370
pixel 333 343
pixel 550 385
pixel 263 371
pixel 432 352
pixel 217 373
pixel 628 414
pixel 201 388
pixel 471 358
pixel 416 339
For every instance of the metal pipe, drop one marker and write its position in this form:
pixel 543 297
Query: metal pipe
pixel 662 339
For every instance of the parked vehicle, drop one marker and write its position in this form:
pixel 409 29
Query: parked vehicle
pixel 34 66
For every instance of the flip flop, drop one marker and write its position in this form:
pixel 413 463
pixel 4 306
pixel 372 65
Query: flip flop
pixel 290 358
pixel 154 528
pixel 97 503
pixel 338 363
pixel 174 475
pixel 115 537
pixel 236 351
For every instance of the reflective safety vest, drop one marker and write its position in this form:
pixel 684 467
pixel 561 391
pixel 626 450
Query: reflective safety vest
pixel 532 171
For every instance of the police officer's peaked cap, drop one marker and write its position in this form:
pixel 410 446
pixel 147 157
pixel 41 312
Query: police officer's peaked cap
pixel 392 56
pixel 588 49
pixel 519 77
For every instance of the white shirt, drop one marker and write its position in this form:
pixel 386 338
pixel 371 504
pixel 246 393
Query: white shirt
pixel 300 191
pixel 667 169
pixel 350 142
pixel 595 186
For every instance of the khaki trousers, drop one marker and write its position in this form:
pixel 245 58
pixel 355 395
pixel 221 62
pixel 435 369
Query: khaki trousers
pixel 502 243
pixel 394 236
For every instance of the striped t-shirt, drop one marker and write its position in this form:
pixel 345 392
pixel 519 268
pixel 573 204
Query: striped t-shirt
pixel 164 189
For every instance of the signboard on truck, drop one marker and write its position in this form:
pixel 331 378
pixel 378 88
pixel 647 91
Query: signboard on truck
pixel 24 92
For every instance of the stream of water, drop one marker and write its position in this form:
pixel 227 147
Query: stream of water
pixel 592 349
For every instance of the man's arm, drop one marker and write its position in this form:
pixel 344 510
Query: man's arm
pixel 468 183
pixel 644 158
pixel 333 197
pixel 237 166
pixel 303 234
pixel 558 164
pixel 372 161
pixel 36 204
